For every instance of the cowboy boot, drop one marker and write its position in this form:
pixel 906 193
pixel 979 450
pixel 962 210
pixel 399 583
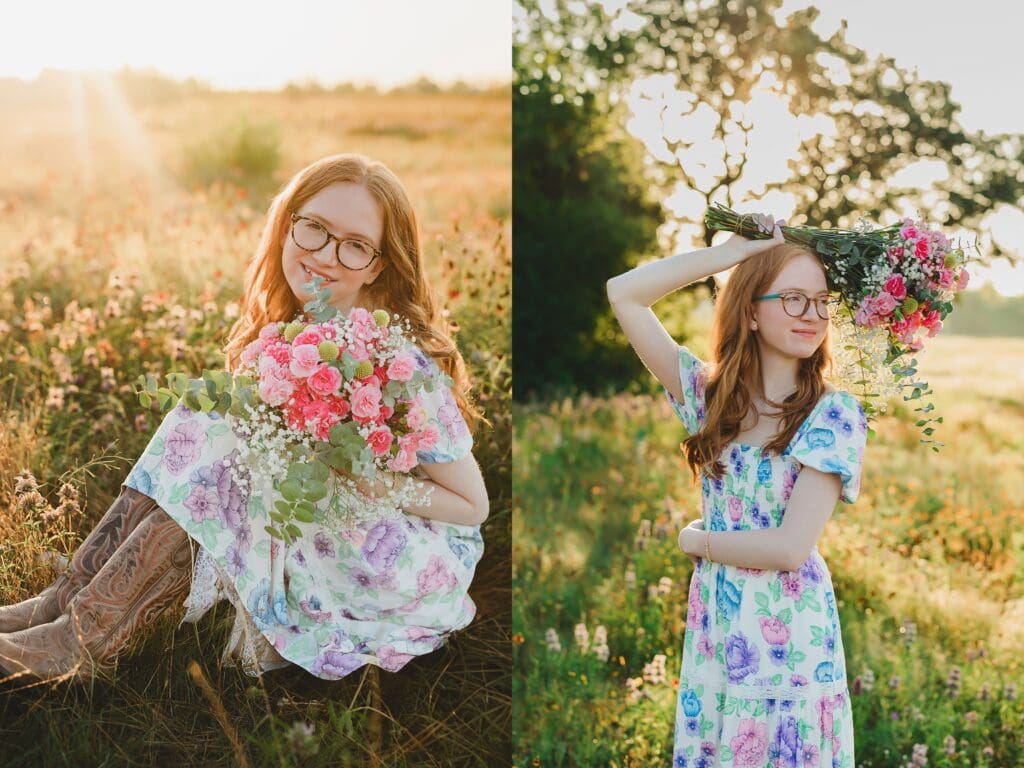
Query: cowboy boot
pixel 124 514
pixel 149 573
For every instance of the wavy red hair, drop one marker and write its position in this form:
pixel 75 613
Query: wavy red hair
pixel 734 374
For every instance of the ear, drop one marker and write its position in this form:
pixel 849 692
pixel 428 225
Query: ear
pixel 373 272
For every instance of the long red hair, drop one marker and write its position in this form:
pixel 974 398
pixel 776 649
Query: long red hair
pixel 735 378
pixel 402 286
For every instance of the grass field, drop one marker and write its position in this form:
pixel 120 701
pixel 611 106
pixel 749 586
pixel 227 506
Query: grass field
pixel 124 227
pixel 926 565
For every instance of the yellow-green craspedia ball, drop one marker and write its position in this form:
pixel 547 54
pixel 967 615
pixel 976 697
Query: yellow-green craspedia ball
pixel 292 330
pixel 364 369
pixel 950 260
pixel 909 306
pixel 381 317
pixel 328 351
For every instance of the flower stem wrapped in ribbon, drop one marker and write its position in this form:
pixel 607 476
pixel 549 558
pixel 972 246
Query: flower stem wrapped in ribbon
pixel 895 286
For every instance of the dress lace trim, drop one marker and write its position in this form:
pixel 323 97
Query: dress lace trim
pixel 247 646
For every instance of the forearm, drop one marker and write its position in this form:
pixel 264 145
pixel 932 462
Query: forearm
pixel 446 506
pixel 767 548
pixel 647 283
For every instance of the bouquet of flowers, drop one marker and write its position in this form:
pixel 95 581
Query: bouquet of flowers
pixel 893 283
pixel 320 393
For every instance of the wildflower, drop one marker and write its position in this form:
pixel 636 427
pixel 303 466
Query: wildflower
pixel 582 637
pixel 983 692
pixel 600 646
pixel 107 380
pixel 654 673
pixel 664 585
pixel 988 751
pixel 635 690
pixel 630 576
pixel 867 679
pixel 1010 691
pixel 909 631
pixel 919 758
pixel 953 683
pixel 141 423
pixel 971 717
pixel 643 535
pixel 25 482
pixel 301 740
pixel 55 398
pixel 949 745
pixel 894 683
pixel 551 638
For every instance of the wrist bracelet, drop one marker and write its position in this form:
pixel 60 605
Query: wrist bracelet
pixel 707 545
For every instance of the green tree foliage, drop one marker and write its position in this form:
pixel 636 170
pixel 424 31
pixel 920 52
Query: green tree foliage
pixel 581 213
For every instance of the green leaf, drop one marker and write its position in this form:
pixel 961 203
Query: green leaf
pixel 319 471
pixel 304 516
pixel 293 529
pixel 145 400
pixel 315 490
pixel 273 532
pixel 277 517
pixel 291 490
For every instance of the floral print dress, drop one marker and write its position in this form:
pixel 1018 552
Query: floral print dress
pixel 763 678
pixel 383 592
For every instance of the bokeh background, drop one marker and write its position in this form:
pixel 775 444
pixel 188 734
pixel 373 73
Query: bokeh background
pixel 138 155
pixel 629 120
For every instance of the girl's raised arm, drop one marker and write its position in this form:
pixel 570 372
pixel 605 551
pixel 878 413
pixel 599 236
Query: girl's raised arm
pixel 632 293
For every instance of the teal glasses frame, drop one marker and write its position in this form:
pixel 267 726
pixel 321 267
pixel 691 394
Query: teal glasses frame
pixel 790 299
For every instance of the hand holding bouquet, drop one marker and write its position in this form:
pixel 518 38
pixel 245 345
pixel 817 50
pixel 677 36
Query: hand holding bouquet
pixel 895 286
pixel 321 393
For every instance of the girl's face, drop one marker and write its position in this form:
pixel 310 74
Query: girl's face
pixel 345 210
pixel 794 337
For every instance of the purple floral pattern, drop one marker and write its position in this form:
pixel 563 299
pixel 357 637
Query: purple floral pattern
pixel 763 674
pixel 382 593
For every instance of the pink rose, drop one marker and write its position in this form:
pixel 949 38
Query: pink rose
pixel 402 367
pixel 366 402
pixel 280 353
pixel 921 249
pixel 275 391
pixel 749 745
pixel 403 461
pixel 416 417
pixel 894 287
pixel 884 304
pixel 325 381
pixel 409 443
pixel 269 368
pixel 316 410
pixel 961 281
pixel 305 360
pixel 270 330
pixel 308 336
pixel 363 325
pixel 252 351
pixel 380 441
pixel 908 232
pixel 774 630
pixel 946 278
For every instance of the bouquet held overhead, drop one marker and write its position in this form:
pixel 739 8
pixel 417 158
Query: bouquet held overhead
pixel 323 392
pixel 893 287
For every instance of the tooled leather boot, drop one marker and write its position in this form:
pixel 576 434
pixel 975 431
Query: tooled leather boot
pixel 126 511
pixel 149 573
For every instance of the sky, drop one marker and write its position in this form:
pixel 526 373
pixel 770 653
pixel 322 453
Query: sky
pixel 256 44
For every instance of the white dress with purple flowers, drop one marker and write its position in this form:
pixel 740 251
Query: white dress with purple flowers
pixel 763 678
pixel 384 592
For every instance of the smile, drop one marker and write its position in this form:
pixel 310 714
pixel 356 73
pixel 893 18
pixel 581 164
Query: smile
pixel 808 334
pixel 312 272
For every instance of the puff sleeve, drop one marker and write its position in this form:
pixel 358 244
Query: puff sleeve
pixel 833 440
pixel 692 378
pixel 456 440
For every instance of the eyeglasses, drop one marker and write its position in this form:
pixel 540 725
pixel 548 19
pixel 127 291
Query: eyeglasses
pixel 351 253
pixel 795 304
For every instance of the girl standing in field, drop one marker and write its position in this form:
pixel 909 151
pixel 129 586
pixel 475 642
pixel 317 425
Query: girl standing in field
pixel 382 593
pixel 763 678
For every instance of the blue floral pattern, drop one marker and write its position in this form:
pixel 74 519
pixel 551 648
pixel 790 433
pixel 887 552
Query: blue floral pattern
pixel 381 593
pixel 763 674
